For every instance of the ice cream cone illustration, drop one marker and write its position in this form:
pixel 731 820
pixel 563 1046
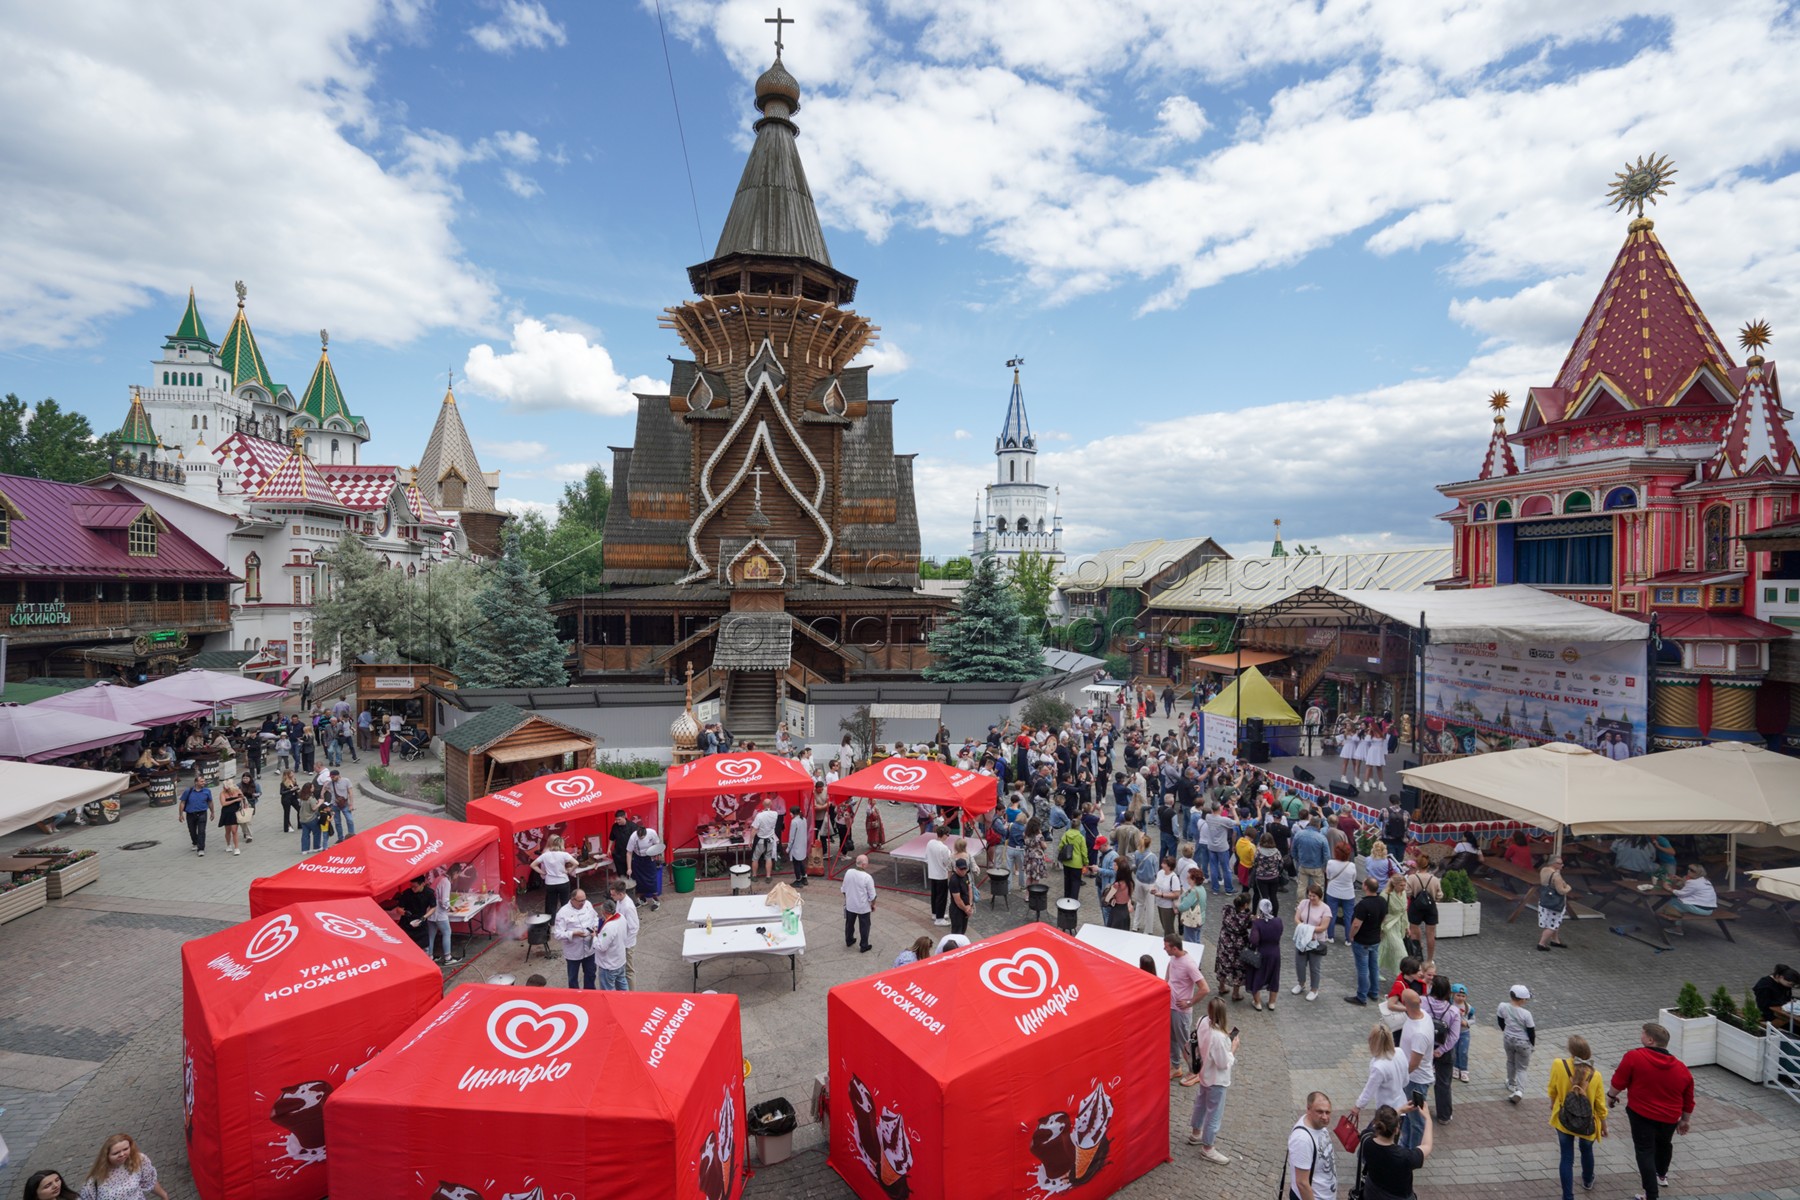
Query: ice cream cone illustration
pixel 1054 1148
pixel 1091 1123
pixel 862 1109
pixel 896 1153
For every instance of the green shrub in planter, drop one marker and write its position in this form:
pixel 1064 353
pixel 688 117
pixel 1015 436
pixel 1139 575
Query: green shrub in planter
pixel 1458 888
pixel 1690 1004
pixel 1751 1020
pixel 1723 1006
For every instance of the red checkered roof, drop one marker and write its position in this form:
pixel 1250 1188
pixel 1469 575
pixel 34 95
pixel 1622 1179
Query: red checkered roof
pixel 364 488
pixel 255 458
pixel 423 511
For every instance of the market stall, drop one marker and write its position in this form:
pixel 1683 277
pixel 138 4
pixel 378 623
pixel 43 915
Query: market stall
pixel 1018 1067
pixel 578 805
pixel 512 1092
pixel 1249 697
pixel 503 746
pixel 277 1013
pixel 708 803
pixel 379 862
pixel 919 781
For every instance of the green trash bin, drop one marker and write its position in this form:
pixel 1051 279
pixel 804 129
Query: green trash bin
pixel 684 874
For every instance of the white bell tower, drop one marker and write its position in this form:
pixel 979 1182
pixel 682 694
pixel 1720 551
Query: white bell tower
pixel 1018 513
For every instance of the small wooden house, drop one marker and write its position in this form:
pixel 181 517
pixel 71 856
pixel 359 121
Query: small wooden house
pixel 503 746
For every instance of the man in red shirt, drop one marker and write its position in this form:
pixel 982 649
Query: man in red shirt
pixel 1661 1099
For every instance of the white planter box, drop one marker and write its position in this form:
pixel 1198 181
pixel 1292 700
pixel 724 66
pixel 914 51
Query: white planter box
pixel 1471 919
pixel 21 900
pixel 73 877
pixel 1741 1053
pixel 1694 1042
pixel 1458 920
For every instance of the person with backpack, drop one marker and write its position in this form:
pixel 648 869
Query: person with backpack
pixel 1577 1113
pixel 1423 892
pixel 1446 1031
pixel 1518 1034
pixel 1393 829
pixel 1072 853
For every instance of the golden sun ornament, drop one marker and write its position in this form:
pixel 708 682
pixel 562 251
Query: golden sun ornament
pixel 1639 182
pixel 1755 336
pixel 1498 402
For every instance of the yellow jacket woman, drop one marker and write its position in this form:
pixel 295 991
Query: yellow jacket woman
pixel 1576 1074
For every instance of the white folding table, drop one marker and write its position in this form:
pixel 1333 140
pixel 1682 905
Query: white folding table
pixel 1128 947
pixel 743 941
pixel 913 850
pixel 733 910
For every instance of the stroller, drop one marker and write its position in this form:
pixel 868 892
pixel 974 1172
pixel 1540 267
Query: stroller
pixel 410 744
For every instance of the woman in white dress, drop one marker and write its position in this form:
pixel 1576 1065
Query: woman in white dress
pixel 1350 756
pixel 1374 757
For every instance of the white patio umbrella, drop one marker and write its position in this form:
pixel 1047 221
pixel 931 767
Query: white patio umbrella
pixel 29 792
pixel 33 734
pixel 129 705
pixel 214 687
pixel 1784 882
pixel 1738 775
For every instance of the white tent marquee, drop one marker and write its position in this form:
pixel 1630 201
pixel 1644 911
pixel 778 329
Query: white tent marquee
pixel 30 792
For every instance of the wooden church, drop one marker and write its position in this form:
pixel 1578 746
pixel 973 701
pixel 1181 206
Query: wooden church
pixel 762 531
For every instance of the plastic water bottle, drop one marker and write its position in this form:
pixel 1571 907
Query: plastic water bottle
pixel 708 924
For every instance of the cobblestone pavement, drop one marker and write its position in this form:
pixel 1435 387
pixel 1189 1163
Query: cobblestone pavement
pixel 90 1029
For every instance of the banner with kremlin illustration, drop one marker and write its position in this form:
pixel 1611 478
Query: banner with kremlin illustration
pixel 1482 696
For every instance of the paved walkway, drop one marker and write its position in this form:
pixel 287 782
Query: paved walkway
pixel 90 1029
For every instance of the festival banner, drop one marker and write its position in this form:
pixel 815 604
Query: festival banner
pixel 1482 696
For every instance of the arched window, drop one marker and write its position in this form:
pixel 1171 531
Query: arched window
pixel 1503 510
pixel 203 420
pixel 1578 502
pixel 1040 527
pixel 194 421
pixel 1024 525
pixel 1716 538
pixel 165 379
pixel 1620 497
pixel 1028 470
pixel 252 576
pixel 308 450
pixel 1012 472
pixel 334 450
pixel 1478 513
pixel 1537 506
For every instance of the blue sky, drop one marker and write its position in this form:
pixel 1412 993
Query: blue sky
pixel 1262 259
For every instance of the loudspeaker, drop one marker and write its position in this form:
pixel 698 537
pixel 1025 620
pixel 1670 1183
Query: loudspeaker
pixel 1256 752
pixel 1303 775
pixel 1409 798
pixel 1406 764
pixel 1348 791
pixel 1253 729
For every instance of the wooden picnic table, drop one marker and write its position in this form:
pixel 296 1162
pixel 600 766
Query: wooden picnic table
pixel 1529 895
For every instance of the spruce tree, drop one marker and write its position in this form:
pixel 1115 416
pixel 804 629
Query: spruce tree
pixel 987 641
pixel 512 642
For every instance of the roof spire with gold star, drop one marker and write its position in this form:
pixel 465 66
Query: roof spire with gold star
pixel 1499 459
pixel 1641 183
pixel 1756 438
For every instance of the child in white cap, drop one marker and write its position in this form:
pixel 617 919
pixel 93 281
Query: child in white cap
pixel 1518 1034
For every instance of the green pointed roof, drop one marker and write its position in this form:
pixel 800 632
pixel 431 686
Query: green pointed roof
pixel 239 354
pixel 324 399
pixel 192 330
pixel 136 431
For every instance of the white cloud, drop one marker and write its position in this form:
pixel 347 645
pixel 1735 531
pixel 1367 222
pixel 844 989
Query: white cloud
pixel 522 24
pixel 517 145
pixel 515 451
pixel 882 358
pixel 550 369
pixel 560 472
pixel 101 225
pixel 519 507
pixel 1180 119
pixel 520 185
pixel 962 435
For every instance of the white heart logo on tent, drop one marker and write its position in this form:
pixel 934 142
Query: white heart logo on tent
pixel 1025 976
pixel 272 939
pixel 738 768
pixel 408 839
pixel 344 927
pixel 903 774
pixel 567 788
pixel 521 1029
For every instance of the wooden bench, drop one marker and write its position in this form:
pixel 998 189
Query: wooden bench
pixel 1722 916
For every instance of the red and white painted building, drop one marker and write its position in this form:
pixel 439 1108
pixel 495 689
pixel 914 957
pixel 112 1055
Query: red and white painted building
pixel 1630 484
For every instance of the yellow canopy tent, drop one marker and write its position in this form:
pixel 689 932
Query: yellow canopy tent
pixel 1260 699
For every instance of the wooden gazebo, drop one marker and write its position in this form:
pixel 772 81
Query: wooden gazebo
pixel 506 745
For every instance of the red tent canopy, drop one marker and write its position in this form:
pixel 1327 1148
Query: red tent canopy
pixel 379 862
pixel 714 788
pixel 275 1014
pixel 504 1093
pixel 575 804
pixel 918 781
pixel 1015 1067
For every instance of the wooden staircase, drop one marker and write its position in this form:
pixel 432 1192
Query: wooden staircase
pixel 1315 671
pixel 750 707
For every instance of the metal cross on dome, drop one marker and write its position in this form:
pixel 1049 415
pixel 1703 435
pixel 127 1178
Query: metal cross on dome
pixel 757 473
pixel 778 21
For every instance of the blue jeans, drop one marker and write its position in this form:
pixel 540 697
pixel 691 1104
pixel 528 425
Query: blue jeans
pixel 1118 814
pixel 1219 875
pixel 1682 906
pixel 1368 970
pixel 581 972
pixel 613 981
pixel 333 755
pixel 1566 1163
pixel 343 822
pixel 311 837
pixel 1169 845
pixel 1209 1110
pixel 436 928
pixel 1340 914
pixel 1462 1047
pixel 1412 1124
